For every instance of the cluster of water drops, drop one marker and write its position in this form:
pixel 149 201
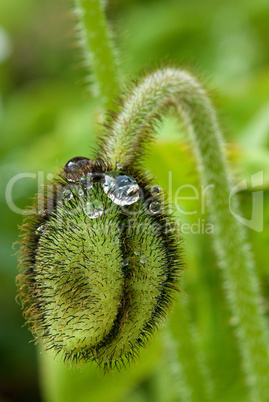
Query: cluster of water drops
pixel 155 205
pixel 138 253
pixel 121 189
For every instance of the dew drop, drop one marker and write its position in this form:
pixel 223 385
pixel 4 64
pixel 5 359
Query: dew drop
pixel 80 191
pixel 87 181
pixel 119 166
pixel 68 195
pixel 77 163
pixel 123 190
pixel 155 190
pixel 143 259
pixel 93 209
pixel 116 240
pixel 124 263
pixel 41 229
pixel 108 184
pixel 73 168
pixel 137 251
pixel 154 207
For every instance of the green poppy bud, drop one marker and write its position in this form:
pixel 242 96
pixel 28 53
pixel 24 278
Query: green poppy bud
pixel 100 262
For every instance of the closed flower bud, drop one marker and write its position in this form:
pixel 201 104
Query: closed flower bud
pixel 100 262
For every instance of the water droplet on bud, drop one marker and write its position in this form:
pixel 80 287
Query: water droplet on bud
pixel 123 190
pixel 87 181
pixel 93 209
pixel 77 163
pixel 41 229
pixel 73 168
pixel 155 190
pixel 137 251
pixel 154 207
pixel 143 259
pixel 68 195
pixel 80 191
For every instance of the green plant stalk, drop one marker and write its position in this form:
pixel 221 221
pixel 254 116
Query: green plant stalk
pixel 155 93
pixel 99 52
pixel 194 380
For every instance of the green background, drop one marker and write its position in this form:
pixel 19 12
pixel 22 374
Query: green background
pixel 48 115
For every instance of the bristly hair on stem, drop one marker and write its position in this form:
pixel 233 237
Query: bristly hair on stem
pixel 98 49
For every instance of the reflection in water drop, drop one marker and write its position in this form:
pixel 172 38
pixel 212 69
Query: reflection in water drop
pixel 73 168
pixel 143 259
pixel 123 190
pixel 77 163
pixel 87 181
pixel 93 209
pixel 41 229
pixel 80 191
pixel 108 183
pixel 154 207
pixel 124 263
pixel 68 195
pixel 155 190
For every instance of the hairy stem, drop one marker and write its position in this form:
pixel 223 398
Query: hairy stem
pixel 194 379
pixel 99 52
pixel 131 130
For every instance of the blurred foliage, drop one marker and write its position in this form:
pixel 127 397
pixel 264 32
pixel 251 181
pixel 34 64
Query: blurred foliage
pixel 47 116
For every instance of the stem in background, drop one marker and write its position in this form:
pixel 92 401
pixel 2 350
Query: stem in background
pixel 132 130
pixel 99 52
pixel 194 380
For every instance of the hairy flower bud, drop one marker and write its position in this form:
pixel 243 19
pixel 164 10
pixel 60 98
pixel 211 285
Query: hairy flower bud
pixel 99 263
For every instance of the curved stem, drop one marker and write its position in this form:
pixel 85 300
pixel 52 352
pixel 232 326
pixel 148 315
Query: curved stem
pixel 99 52
pixel 131 130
